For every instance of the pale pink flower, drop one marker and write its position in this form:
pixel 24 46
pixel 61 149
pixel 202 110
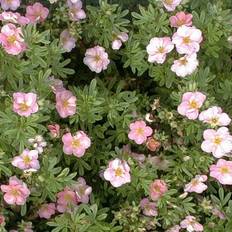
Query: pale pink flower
pixel 82 190
pixel 187 40
pixel 139 132
pixel 76 144
pixel 218 142
pixel 47 210
pixel 222 171
pixel 185 65
pixel 158 48
pixel 119 39
pixel 27 160
pixel 215 117
pixel 148 207
pixel 197 184
pixel 190 224
pixel 56 84
pixel 218 213
pixel 16 193
pixel 76 13
pixel 54 130
pixel 2 220
pixel 96 59
pixel 68 42
pixel 25 104
pixel 181 19
pixel 175 228
pixel 38 143
pixel 10 4
pixel 65 103
pixel 10 17
pixel 118 172
pixel 191 103
pixel 171 5
pixel 66 200
pixel 11 39
pixel 157 189
pixel 37 13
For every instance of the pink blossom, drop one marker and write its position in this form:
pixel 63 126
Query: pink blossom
pixel 66 200
pixel 96 59
pixel 38 143
pixel 218 142
pixel 76 144
pixel 27 160
pixel 16 192
pixel 215 117
pixel 148 207
pixel 139 132
pixel 37 13
pixel 10 4
pixel 181 19
pixel 222 171
pixel 118 172
pixel 76 13
pixel 56 84
pixel 47 210
pixel 187 40
pixel 119 39
pixel 191 225
pixel 2 220
pixel 11 17
pixel 157 189
pixel 175 228
pixel 185 65
pixel 65 103
pixel 67 40
pixel 25 104
pixel 158 48
pixel 218 213
pixel 11 39
pixel 54 130
pixel 196 185
pixel 82 190
pixel 171 5
pixel 191 103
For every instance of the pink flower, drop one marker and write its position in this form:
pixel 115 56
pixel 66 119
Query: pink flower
pixel 174 229
pixel 215 117
pixel 54 130
pixel 76 13
pixel 38 143
pixel 171 5
pixel 157 189
pixel 82 190
pixel 117 42
pixel 187 40
pixel 11 39
pixel 191 103
pixel 222 171
pixel 66 200
pixel 56 84
pixel 139 132
pixel 218 213
pixel 25 104
pixel 65 103
pixel 148 207
pixel 76 144
pixel 196 185
pixel 67 40
pixel 11 17
pixel 185 65
pixel 37 13
pixel 181 19
pixel 118 172
pixel 27 160
pixel 16 192
pixel 2 220
pixel 158 48
pixel 191 225
pixel 47 210
pixel 218 142
pixel 96 59
pixel 10 4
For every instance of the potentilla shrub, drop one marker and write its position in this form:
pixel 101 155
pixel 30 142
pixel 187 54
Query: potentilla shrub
pixel 116 116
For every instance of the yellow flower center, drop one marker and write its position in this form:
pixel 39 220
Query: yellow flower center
pixel 186 40
pixel 118 172
pixel 76 143
pixel 214 121
pixel 217 140
pixel 14 192
pixel 183 61
pixel 161 50
pixel 194 182
pixel 97 58
pixel 193 104
pixel 224 170
pixel 140 131
pixel 68 197
pixel 168 2
pixel 23 107
pixel 26 159
pixel 11 39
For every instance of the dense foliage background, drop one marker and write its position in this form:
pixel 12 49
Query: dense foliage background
pixel 107 103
